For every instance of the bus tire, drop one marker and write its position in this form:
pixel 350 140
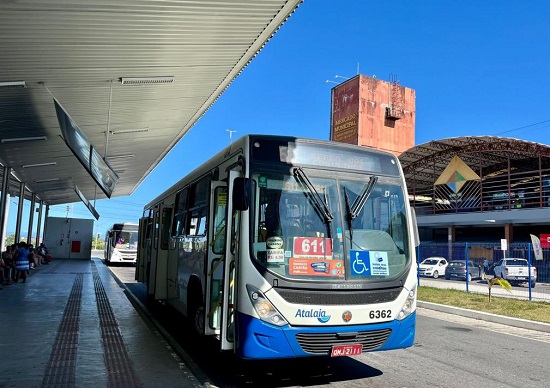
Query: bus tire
pixel 196 312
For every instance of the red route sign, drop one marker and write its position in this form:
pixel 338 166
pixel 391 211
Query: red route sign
pixel 314 247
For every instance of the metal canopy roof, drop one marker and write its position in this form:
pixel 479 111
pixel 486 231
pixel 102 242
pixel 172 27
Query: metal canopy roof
pixel 423 164
pixel 87 55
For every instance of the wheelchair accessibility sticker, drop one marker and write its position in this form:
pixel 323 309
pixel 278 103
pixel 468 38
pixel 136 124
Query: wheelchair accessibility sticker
pixel 369 263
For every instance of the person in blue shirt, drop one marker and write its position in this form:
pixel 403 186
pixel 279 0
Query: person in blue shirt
pixel 22 262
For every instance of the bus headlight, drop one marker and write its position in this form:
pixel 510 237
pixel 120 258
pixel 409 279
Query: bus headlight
pixel 266 311
pixel 408 307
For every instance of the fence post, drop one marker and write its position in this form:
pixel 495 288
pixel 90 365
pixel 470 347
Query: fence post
pixel 529 269
pixel 467 256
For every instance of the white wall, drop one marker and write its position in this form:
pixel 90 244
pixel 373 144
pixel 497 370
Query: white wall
pixel 69 238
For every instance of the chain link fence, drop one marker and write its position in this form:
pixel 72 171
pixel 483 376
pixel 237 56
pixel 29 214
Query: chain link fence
pixel 483 257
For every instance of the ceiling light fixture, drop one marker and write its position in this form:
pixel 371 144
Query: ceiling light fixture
pixel 47 180
pixel 121 131
pixel 9 140
pixel 146 80
pixel 13 85
pixel 124 156
pixel 39 165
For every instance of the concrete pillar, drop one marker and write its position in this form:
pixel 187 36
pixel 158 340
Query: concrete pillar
pixel 39 224
pixel 31 218
pixel 451 233
pixel 46 222
pixel 4 204
pixel 20 212
pixel 509 233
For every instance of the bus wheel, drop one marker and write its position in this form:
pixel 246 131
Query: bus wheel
pixel 196 315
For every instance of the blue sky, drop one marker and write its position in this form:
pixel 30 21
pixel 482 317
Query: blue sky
pixel 478 68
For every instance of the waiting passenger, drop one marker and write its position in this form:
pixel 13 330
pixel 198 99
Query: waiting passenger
pixel 44 254
pixel 2 272
pixel 7 266
pixel 22 262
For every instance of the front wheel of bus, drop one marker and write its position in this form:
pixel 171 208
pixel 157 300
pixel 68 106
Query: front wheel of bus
pixel 196 315
pixel 198 321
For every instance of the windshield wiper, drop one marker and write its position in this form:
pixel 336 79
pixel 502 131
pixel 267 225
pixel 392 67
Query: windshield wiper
pixel 318 202
pixel 348 212
pixel 360 201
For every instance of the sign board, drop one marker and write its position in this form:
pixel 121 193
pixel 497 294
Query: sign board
pixel 545 240
pixel 503 244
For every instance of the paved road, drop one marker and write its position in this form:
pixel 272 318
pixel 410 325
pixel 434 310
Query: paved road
pixel 449 351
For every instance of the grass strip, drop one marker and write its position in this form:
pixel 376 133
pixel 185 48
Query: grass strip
pixel 516 308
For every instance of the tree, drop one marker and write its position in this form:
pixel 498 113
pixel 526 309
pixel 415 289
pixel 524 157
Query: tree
pixel 97 243
pixel 10 239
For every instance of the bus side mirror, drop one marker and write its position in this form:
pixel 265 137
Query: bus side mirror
pixel 240 193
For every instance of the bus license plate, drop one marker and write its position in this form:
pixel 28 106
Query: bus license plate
pixel 346 350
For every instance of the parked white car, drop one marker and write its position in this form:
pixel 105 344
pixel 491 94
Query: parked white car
pixel 516 271
pixel 433 267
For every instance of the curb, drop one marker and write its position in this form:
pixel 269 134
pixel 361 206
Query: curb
pixel 515 322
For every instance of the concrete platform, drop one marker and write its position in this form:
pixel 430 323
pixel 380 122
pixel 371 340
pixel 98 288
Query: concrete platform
pixel 72 325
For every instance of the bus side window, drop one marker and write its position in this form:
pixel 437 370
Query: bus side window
pixel 156 228
pixel 218 239
pixel 165 235
pixel 180 214
pixel 195 222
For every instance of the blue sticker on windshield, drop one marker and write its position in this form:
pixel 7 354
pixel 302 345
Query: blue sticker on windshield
pixel 360 263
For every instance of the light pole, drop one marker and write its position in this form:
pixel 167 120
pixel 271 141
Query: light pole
pixel 230 134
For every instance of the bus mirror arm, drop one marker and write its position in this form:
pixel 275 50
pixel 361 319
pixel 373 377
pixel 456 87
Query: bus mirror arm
pixel 416 235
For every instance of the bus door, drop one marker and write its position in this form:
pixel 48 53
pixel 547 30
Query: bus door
pixel 163 246
pixel 151 283
pixel 216 257
pixel 142 257
pixel 229 286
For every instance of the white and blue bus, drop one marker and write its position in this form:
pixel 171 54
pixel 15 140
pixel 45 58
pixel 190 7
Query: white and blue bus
pixel 284 247
pixel 121 241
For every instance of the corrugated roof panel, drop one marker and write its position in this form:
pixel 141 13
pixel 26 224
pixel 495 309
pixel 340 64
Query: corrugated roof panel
pixel 77 52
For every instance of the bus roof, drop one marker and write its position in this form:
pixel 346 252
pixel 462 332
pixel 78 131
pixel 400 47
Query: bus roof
pixel 125 226
pixel 241 144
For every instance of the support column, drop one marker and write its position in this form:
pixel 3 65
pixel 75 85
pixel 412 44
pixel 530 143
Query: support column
pixel 4 203
pixel 20 212
pixel 39 223
pixel 46 222
pixel 509 233
pixel 451 234
pixel 31 218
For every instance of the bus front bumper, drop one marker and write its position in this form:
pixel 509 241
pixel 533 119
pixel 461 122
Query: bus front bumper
pixel 259 340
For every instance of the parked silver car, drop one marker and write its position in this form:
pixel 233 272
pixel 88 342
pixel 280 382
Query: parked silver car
pixel 457 270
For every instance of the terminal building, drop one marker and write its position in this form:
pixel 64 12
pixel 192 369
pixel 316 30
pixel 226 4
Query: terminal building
pixel 463 189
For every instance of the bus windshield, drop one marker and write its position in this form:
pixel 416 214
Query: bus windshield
pixel 125 239
pixel 324 228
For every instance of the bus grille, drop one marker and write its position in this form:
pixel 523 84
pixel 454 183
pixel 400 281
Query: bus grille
pixel 322 343
pixel 327 298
